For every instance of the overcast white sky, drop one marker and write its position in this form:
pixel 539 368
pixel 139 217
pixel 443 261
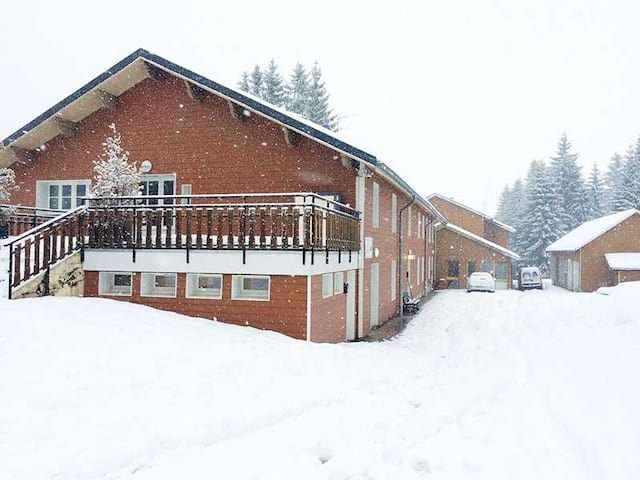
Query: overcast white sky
pixel 457 96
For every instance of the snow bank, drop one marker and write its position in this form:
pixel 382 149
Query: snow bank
pixel 513 385
pixel 623 260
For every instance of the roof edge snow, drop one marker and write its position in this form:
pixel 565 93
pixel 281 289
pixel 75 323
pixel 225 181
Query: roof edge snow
pixel 589 231
pixel 481 240
pixel 500 224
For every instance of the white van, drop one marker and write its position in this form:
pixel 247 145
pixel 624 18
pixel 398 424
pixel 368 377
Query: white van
pixel 529 277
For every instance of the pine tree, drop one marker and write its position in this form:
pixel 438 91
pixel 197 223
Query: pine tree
pixel 113 174
pixel 504 205
pixel 614 178
pixel 256 82
pixel 568 185
pixel 273 89
pixel 596 194
pixel 511 203
pixel 298 90
pixel 629 195
pixel 244 84
pixel 317 109
pixel 541 224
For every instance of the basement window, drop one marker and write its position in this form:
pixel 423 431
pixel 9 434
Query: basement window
pixel 251 287
pixel 115 283
pixel 204 285
pixel 327 285
pixel 158 285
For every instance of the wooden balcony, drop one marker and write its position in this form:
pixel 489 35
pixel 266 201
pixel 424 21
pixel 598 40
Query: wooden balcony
pixel 304 222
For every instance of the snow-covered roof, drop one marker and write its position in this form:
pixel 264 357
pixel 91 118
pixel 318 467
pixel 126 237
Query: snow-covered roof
pixel 623 260
pixel 481 240
pixel 589 231
pixel 37 131
pixel 504 226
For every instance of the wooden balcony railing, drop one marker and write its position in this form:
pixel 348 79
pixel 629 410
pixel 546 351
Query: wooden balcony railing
pixel 299 221
pixel 17 219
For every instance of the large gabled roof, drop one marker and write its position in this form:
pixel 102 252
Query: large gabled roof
pixel 589 231
pixel 504 226
pixel 135 68
pixel 482 241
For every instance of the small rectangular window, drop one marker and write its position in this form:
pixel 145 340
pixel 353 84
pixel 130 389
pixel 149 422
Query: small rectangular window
pixel 327 285
pixel 186 190
pixel 419 225
pixel 486 266
pixel 81 191
pixel 158 285
pixel 376 206
pixel 338 283
pixel 471 267
pixel 394 279
pixel 409 221
pixel 394 213
pixel 251 287
pixel 204 285
pixel 115 283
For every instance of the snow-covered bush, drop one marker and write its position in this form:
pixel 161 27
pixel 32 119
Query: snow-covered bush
pixel 113 174
pixel 7 184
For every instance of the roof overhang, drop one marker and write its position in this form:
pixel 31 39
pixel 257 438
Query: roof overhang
pixel 497 223
pixel 480 240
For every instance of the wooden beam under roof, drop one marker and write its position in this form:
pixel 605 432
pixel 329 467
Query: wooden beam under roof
pixel 153 72
pixel 195 92
pixel 17 154
pixel 66 127
pixel 237 111
pixel 290 137
pixel 107 100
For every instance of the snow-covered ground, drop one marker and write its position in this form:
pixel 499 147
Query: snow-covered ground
pixel 510 385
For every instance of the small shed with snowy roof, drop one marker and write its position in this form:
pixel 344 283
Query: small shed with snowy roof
pixel 594 254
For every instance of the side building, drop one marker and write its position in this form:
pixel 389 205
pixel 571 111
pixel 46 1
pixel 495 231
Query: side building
pixel 249 214
pixel 470 241
pixel 599 253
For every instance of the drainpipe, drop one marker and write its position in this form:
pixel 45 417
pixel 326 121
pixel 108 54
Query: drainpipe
pixel 400 245
pixel 425 259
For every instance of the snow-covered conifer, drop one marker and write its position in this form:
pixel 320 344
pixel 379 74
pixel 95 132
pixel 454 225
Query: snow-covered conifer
pixel 318 109
pixel 256 82
pixel 7 184
pixel 596 194
pixel 273 88
pixel 613 179
pixel 629 194
pixel 298 90
pixel 114 176
pixel 568 185
pixel 244 83
pixel 540 225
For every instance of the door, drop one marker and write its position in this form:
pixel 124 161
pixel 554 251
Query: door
pixel 375 284
pixel 453 274
pixel 502 282
pixel 351 305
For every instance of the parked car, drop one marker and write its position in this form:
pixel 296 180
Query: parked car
pixel 481 282
pixel 529 278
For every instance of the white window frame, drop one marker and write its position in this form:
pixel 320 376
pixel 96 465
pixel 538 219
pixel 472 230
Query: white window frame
pixel 239 293
pixel 409 221
pixel 394 213
pixel 193 291
pixel 327 285
pixel 375 215
pixel 338 283
pixel 106 285
pixel 150 290
pixel 42 192
pixel 394 279
pixel 186 189
pixel 419 225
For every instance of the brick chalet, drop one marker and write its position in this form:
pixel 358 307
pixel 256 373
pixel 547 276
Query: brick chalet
pixel 470 242
pixel 249 214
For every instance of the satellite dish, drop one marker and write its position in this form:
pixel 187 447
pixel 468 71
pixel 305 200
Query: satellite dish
pixel 146 166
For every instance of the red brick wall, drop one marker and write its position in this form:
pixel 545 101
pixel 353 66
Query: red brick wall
pixel 452 246
pixel 387 244
pixel 622 238
pixel 200 142
pixel 328 315
pixel 286 312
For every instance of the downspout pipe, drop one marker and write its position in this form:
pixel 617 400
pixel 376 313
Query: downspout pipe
pixel 400 247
